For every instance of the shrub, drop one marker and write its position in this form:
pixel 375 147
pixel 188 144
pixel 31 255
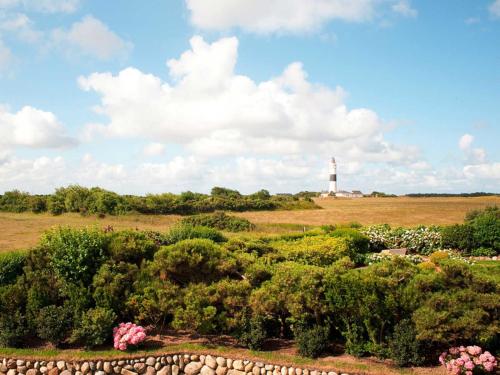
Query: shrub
pixel 405 349
pixel 13 329
pixel 483 252
pixel 486 226
pixel 221 221
pixel 131 246
pixel 95 327
pixel 76 254
pixel 11 266
pixel 459 237
pixel 195 260
pixel 185 232
pixel 53 323
pixel 127 334
pixel 253 334
pixel 312 342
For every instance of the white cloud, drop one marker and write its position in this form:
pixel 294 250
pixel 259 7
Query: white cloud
pixel 474 156
pixel 486 171
pixel 263 16
pixel 494 8
pixel 91 37
pixel 21 25
pixel 153 149
pixel 465 141
pixel 31 127
pixel 404 8
pixel 213 111
pixel 44 6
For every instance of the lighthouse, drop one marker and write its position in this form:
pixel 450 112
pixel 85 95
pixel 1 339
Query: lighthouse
pixel 332 188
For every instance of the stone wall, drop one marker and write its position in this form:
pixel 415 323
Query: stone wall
pixel 175 364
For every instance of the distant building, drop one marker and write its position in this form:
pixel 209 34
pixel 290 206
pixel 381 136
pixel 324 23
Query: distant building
pixel 349 194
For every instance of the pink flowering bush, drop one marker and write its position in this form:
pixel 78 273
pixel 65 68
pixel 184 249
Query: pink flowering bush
pixel 468 360
pixel 128 334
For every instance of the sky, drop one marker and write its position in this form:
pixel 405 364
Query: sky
pixel 175 95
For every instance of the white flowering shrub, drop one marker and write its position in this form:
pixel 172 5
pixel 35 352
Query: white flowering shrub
pixel 377 258
pixel 420 240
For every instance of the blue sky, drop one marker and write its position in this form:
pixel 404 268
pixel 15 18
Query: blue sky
pixel 185 95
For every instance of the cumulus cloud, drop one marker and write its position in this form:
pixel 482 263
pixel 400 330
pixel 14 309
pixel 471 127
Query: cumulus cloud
pixel 91 37
pixel 494 9
pixel 263 16
pixel 404 8
pixel 473 155
pixel 33 128
pixel 153 149
pixel 487 171
pixel 213 111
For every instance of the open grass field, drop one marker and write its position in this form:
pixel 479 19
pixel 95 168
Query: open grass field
pixel 20 231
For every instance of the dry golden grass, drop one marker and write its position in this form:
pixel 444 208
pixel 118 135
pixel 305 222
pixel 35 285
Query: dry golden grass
pixel 23 230
pixel 20 231
pixel 403 211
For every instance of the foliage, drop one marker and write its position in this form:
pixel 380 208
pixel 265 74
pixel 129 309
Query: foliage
pixel 185 232
pixel 313 341
pixel 95 327
pixel 483 252
pixel 468 360
pixel 221 221
pixel 405 349
pixel 486 227
pixel 458 236
pixel 13 329
pixel 127 334
pixel 53 324
pixel 11 266
pixel 131 246
pixel 253 333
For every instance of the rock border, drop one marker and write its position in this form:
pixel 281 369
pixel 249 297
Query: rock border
pixel 173 364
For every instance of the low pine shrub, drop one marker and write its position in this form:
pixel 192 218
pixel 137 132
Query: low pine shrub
pixel 95 327
pixel 53 323
pixel 253 334
pixel 405 349
pixel 313 341
pixel 11 266
pixel 221 221
pixel 13 330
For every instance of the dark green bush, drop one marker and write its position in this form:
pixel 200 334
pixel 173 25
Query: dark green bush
pixel 486 226
pixel 313 341
pixel 459 237
pixel 253 333
pixel 221 221
pixel 405 349
pixel 13 329
pixel 483 252
pixel 131 246
pixel 95 328
pixel 53 324
pixel 11 266
pixel 185 232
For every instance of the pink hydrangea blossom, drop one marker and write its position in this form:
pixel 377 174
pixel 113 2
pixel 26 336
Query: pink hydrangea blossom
pixel 128 334
pixel 466 360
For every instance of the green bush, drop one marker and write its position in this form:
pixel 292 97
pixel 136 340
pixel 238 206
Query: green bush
pixel 405 349
pixel 312 342
pixel 11 266
pixel 13 329
pixel 483 252
pixel 221 221
pixel 486 226
pixel 459 237
pixel 95 328
pixel 53 323
pixel 194 260
pixel 253 334
pixel 76 254
pixel 185 232
pixel 131 246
